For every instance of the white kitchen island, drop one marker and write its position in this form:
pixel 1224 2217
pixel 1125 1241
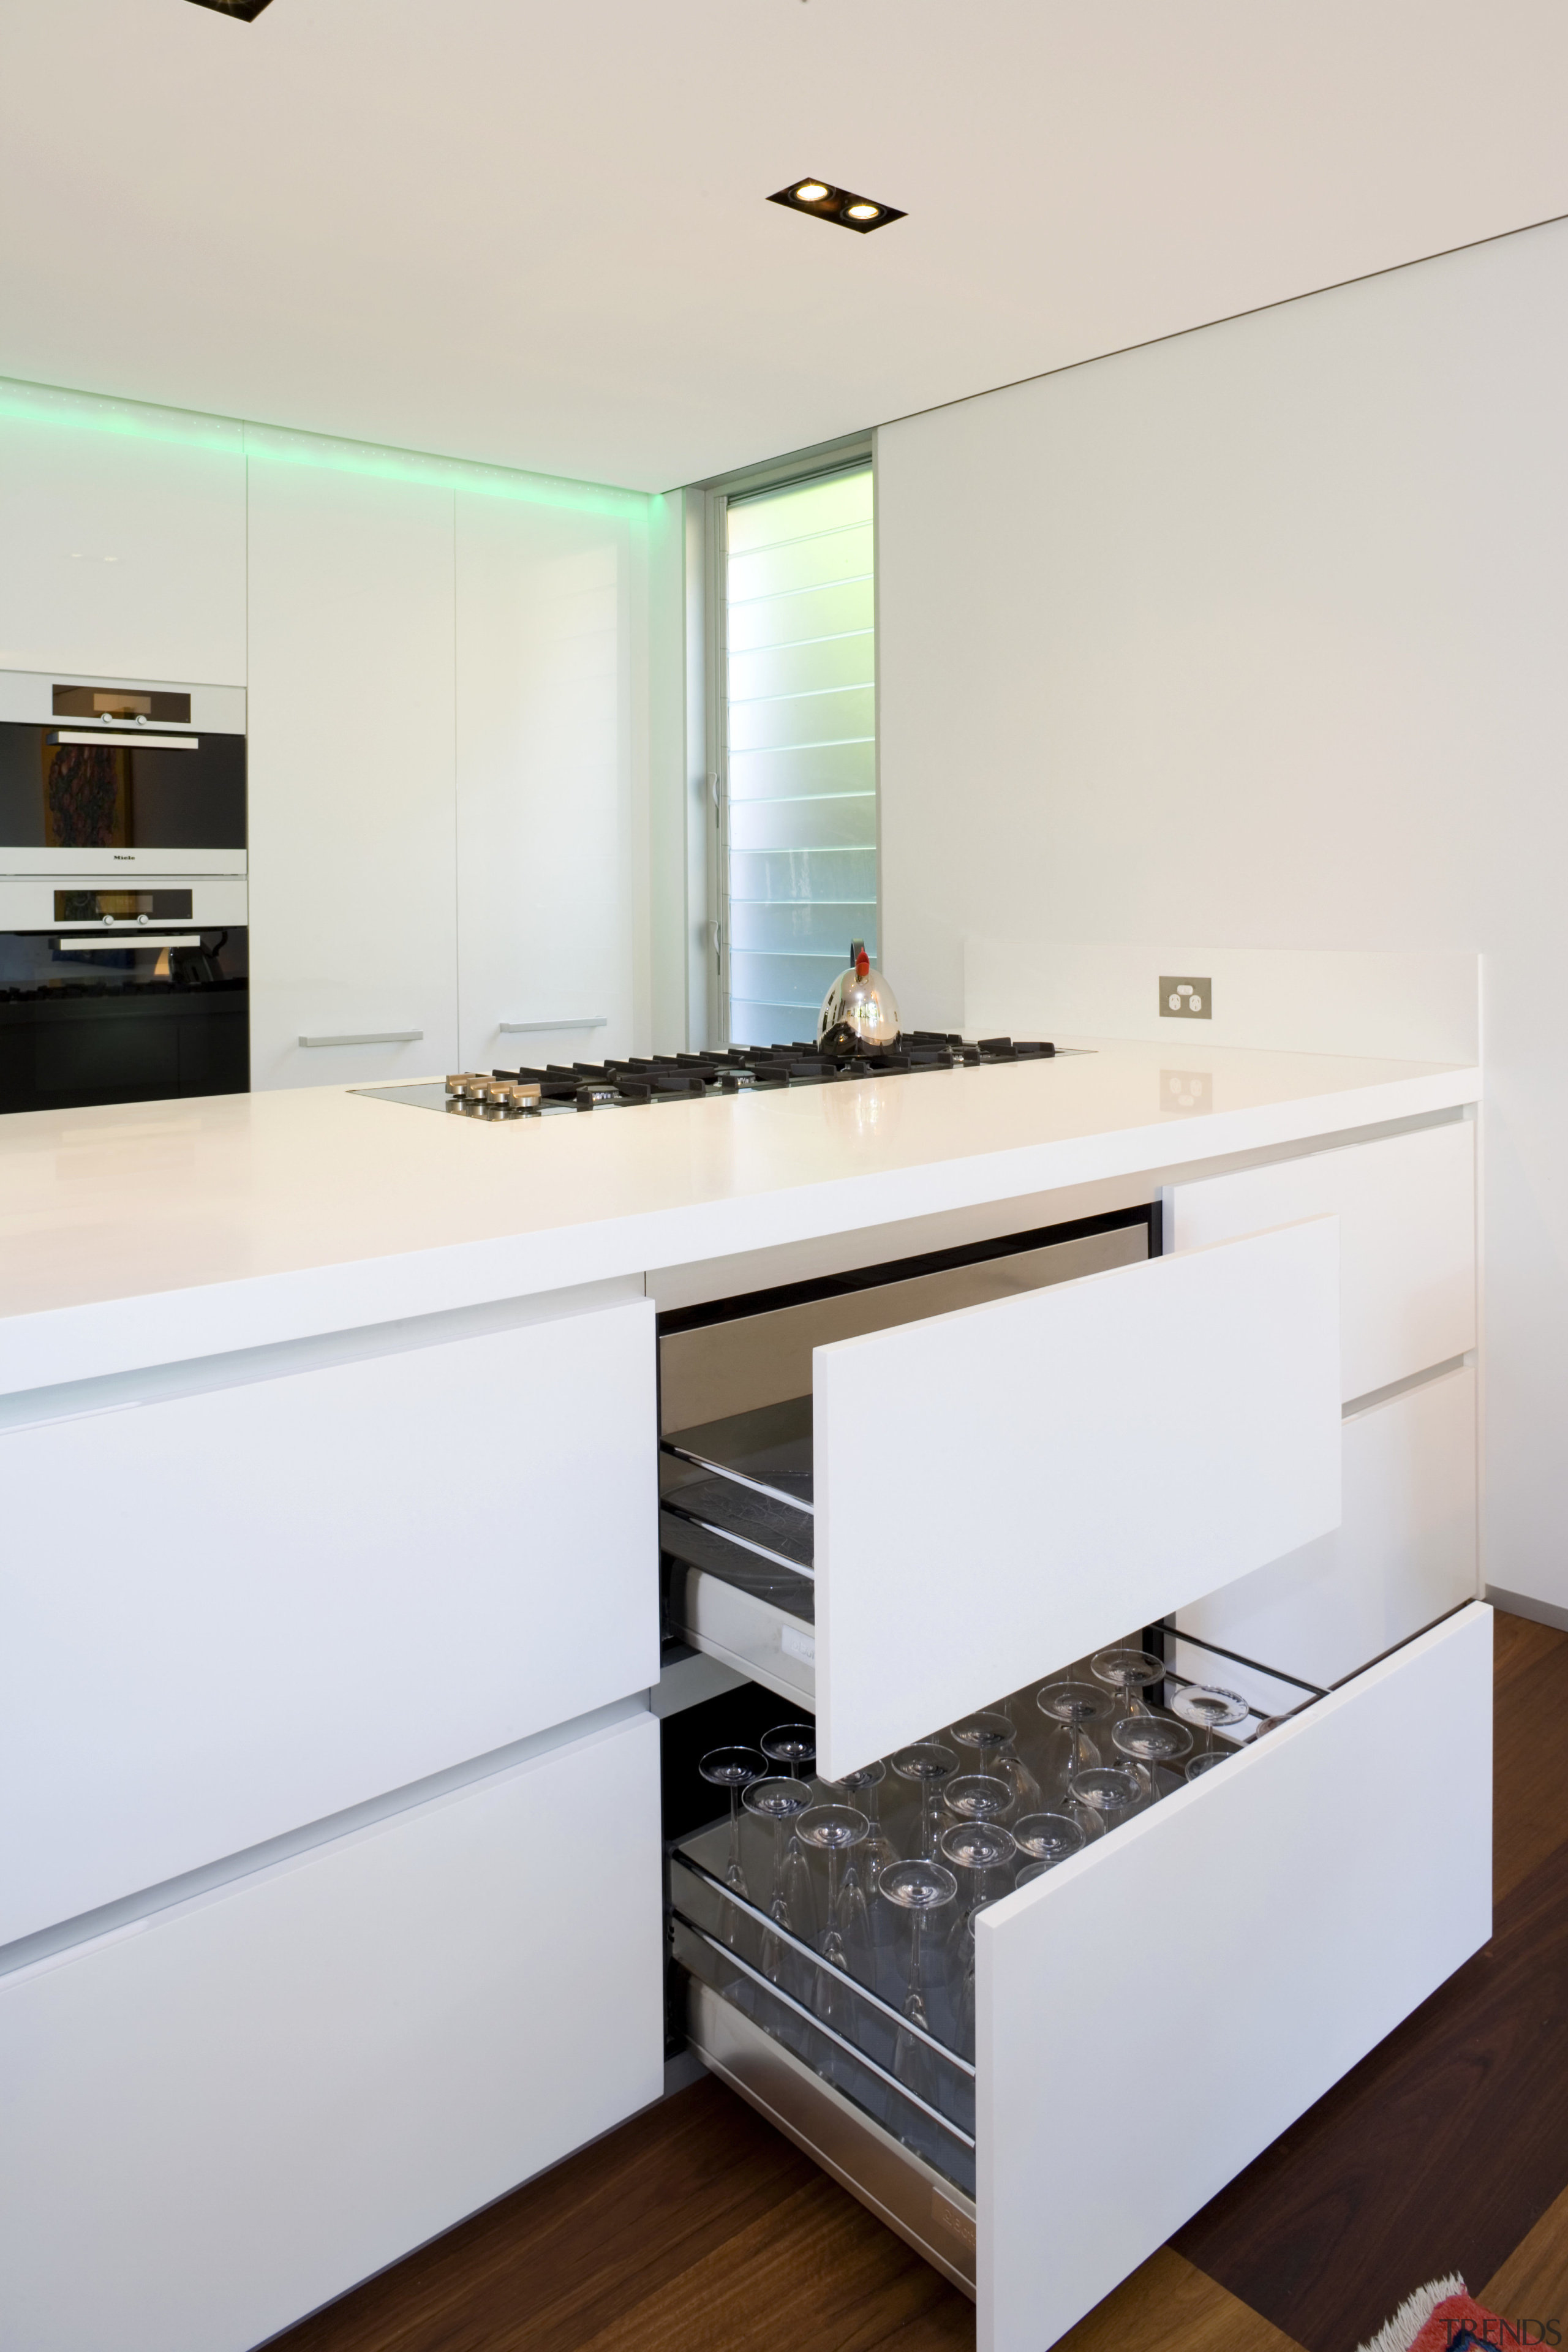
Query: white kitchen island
pixel 329 1846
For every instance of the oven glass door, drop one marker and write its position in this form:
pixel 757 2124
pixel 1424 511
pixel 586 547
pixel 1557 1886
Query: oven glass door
pixel 82 787
pixel 84 1021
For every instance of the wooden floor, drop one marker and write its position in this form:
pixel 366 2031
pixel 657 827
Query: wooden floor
pixel 696 2228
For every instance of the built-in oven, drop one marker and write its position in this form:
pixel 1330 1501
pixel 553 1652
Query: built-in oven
pixel 124 944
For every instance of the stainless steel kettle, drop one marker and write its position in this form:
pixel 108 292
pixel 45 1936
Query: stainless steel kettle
pixel 859 1013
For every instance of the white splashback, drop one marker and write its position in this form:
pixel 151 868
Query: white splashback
pixel 1408 1007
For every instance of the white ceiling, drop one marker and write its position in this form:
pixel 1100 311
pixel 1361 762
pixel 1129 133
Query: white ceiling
pixel 538 235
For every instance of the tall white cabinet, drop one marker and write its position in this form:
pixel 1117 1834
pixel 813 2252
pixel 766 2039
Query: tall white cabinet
pixel 122 556
pixel 547 653
pixel 352 795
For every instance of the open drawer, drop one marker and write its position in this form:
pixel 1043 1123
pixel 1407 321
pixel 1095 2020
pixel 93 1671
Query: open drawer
pixel 1147 2015
pixel 971 1493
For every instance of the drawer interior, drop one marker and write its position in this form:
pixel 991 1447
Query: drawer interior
pixel 753 1911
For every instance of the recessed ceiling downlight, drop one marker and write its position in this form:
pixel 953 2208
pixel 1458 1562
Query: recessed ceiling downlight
pixel 245 10
pixel 839 205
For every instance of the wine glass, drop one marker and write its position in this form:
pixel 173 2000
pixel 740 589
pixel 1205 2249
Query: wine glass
pixel 790 1744
pixel 995 1740
pixel 1047 1838
pixel 978 1851
pixel 922 1890
pixel 782 1802
pixel 864 1787
pixel 1072 1706
pixel 928 1765
pixel 1208 1707
pixel 1198 1764
pixel 1129 1673
pixel 1110 1792
pixel 833 1830
pixel 734 1769
pixel 977 1797
pixel 1146 1740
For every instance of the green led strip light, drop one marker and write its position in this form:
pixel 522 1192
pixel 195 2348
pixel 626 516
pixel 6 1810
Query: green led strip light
pixel 45 404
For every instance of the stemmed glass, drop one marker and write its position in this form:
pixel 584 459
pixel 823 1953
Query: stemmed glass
pixel 976 1852
pixel 1198 1764
pixel 1071 1706
pixel 782 1802
pixel 734 1769
pixel 791 1745
pixel 994 1736
pixel 1146 1740
pixel 1127 1673
pixel 859 1888
pixel 922 1890
pixel 1047 1838
pixel 977 1797
pixel 1208 1707
pixel 928 1765
pixel 1108 1791
pixel 832 1830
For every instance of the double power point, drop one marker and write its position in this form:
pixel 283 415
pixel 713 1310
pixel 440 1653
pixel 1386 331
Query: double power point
pixel 1186 999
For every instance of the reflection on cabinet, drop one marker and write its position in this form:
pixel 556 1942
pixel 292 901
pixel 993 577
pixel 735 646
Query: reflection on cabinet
pixel 1404 1554
pixel 544 782
pixel 352 828
pixel 1407 1207
pixel 124 557
pixel 219 2119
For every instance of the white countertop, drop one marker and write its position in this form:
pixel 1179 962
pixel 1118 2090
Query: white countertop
pixel 142 1234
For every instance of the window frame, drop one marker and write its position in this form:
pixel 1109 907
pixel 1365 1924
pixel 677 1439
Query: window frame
pixel 851 456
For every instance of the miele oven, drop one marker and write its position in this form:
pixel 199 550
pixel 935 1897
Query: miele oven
pixel 123 899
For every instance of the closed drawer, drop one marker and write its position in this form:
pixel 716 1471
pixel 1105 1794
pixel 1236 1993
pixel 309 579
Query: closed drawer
pixel 233 1612
pixel 1406 1208
pixel 1402 1556
pixel 217 2122
pixel 972 1497
pixel 1261 1927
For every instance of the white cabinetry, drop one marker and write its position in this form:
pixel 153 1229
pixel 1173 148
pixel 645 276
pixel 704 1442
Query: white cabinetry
pixel 545 670
pixel 124 556
pixel 218 2122
pixel 308 1588
pixel 353 799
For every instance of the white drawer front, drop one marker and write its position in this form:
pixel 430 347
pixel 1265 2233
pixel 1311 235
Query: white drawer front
pixel 1404 1554
pixel 1002 1489
pixel 1406 1208
pixel 1251 1937
pixel 232 1613
pixel 213 2125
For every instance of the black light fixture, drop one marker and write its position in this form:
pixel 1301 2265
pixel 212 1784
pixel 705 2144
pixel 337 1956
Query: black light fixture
pixel 862 213
pixel 247 10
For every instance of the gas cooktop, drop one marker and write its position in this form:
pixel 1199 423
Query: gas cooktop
pixel 506 1095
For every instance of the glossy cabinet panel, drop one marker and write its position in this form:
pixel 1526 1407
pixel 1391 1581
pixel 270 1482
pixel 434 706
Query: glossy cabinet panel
pixel 545 603
pixel 353 798
pixel 219 2121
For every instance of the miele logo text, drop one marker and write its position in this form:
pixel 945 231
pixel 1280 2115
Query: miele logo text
pixel 125 856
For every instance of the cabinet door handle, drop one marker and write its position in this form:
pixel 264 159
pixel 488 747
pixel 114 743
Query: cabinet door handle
pixel 535 1028
pixel 370 1037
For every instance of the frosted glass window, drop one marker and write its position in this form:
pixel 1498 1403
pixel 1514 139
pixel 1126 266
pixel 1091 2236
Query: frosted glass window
pixel 801 744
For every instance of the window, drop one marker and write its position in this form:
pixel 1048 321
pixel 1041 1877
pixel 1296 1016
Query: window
pixel 798 803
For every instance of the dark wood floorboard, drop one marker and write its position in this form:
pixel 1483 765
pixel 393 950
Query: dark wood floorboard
pixel 1441 2150
pixel 695 2225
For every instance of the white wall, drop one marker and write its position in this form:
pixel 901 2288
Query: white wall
pixel 1257 636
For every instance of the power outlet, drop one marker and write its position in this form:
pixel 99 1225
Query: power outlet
pixel 1185 1000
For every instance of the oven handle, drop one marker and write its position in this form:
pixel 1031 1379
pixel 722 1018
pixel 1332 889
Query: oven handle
pixel 370 1037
